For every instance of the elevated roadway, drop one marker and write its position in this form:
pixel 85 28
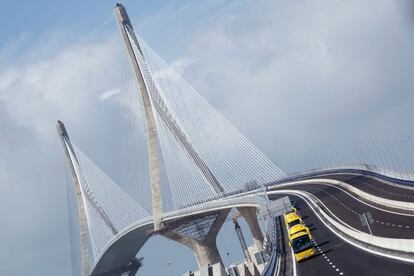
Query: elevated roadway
pixel 336 257
pixel 127 243
pixel 367 179
pixel 348 208
pixel 377 186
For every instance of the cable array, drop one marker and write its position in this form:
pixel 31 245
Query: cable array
pixel 108 208
pixel 205 156
pixel 134 157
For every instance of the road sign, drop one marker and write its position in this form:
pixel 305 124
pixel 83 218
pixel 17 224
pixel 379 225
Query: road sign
pixel 366 219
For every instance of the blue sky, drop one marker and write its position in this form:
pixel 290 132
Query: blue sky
pixel 293 76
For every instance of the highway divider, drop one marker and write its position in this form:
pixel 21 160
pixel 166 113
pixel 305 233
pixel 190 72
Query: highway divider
pixel 400 249
pixel 402 205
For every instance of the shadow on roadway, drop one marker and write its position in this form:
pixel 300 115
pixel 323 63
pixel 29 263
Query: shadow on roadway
pixel 323 243
pixel 316 255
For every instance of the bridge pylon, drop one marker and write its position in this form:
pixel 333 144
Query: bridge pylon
pixel 199 232
pixel 83 223
pixel 124 23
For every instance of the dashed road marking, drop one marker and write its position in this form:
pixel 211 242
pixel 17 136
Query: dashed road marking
pixel 388 192
pixel 326 258
pixel 355 212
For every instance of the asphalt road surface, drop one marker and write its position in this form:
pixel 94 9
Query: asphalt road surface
pixel 376 186
pixel 337 257
pixel 347 208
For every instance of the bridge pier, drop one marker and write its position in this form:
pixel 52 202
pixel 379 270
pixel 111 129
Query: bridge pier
pixel 206 252
pixel 204 245
pixel 250 215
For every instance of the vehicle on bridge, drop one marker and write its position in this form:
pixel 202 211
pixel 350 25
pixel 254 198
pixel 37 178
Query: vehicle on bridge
pixel 292 218
pixel 301 242
pixel 300 239
pixel 297 229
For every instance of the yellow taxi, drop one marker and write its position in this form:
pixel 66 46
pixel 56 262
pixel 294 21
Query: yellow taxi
pixel 301 242
pixel 300 239
pixel 292 218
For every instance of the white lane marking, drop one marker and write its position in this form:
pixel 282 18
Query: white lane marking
pixel 334 197
pixel 338 235
pixel 323 254
pixel 387 192
pixel 399 225
pixel 343 190
pixel 353 211
pixel 379 179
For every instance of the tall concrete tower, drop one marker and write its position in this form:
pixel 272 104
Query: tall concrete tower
pixel 84 234
pixel 126 29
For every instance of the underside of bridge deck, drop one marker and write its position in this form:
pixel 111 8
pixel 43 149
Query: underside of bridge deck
pixel 199 234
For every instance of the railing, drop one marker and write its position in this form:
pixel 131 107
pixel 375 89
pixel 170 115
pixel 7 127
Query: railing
pixel 400 249
pixel 277 248
pixel 243 200
pixel 363 169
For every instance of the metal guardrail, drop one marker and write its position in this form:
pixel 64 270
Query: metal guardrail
pixel 401 249
pixel 401 205
pixel 275 266
pixel 270 269
pixel 398 178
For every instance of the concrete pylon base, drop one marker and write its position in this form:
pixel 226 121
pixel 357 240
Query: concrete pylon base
pixel 205 250
pixel 205 253
pixel 249 214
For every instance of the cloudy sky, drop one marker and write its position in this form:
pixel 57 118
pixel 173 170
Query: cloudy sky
pixel 293 76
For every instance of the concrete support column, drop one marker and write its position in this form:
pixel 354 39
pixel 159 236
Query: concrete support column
pixel 205 251
pixel 249 214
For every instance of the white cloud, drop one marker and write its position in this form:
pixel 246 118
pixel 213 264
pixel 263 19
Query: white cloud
pixel 64 86
pixel 309 73
pixel 3 174
pixel 34 93
pixel 109 94
pixel 182 64
pixel 291 75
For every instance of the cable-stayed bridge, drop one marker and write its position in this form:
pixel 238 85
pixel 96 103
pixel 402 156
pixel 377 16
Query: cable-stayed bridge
pixel 211 168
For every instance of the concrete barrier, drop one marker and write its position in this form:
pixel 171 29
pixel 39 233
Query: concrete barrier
pixel 372 198
pixel 402 249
